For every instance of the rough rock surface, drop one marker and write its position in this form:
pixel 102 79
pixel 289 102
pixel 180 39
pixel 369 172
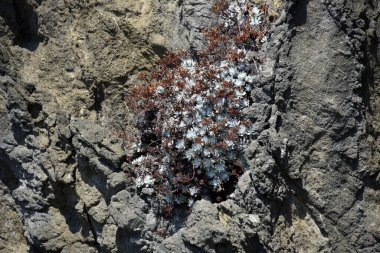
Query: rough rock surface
pixel 314 179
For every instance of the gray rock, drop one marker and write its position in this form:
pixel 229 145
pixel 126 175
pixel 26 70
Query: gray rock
pixel 312 165
pixel 128 210
pixel 79 248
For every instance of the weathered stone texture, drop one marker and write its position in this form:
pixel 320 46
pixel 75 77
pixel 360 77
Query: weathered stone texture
pixel 314 179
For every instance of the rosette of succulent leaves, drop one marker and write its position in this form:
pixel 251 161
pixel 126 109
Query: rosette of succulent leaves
pixel 193 134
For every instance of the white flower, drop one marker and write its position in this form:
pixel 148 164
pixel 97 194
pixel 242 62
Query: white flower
pixel 182 124
pixel 206 139
pixel 228 79
pixel 242 66
pixel 244 102
pixel 148 180
pixel 256 11
pixel 238 82
pixel 139 182
pixel 200 100
pixel 189 154
pixel 207 111
pixel 233 8
pixel 162 168
pixel 139 160
pixel 198 117
pixel 197 162
pixel 216 87
pixel 191 134
pixel 225 176
pixel 220 117
pixel 188 120
pixel 220 166
pixel 188 63
pixel 179 97
pixel 217 152
pixel 210 173
pixel 255 20
pixel 171 120
pixel 193 191
pixel 249 79
pixel 239 93
pixel 207 162
pixel 160 90
pixel 230 155
pixel 242 75
pixel 196 148
pixel 224 64
pixel 215 182
pixel 176 114
pixel 220 102
pixel 206 151
pixel 232 71
pixel 212 140
pixel 180 144
pixel 191 83
pixel 233 122
pixel 135 145
pixel 242 130
pixel 168 199
pixel 229 143
pixel 224 74
pixel 198 106
pixel 203 131
pixel 179 199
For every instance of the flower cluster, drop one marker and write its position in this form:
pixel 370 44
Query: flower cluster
pixel 193 131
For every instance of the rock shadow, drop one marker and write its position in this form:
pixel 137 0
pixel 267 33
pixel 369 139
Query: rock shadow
pixel 21 18
pixel 299 12
pixel 7 175
pixel 126 240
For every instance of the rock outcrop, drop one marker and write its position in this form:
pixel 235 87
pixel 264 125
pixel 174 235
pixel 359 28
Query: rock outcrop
pixel 314 179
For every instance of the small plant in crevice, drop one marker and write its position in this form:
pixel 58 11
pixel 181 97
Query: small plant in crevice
pixel 189 114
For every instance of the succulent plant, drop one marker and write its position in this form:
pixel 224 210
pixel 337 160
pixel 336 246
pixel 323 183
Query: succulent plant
pixel 197 130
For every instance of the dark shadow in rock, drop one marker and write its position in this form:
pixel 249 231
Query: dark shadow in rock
pixel 66 199
pixel 20 131
pixel 27 20
pixel 34 249
pixel 299 12
pixel 21 17
pixel 194 248
pixel 126 240
pixel 252 245
pixel 178 219
pixel 92 177
pixel 7 175
pixel 159 50
pixel 30 88
pixel 224 248
pixel 34 109
pixel 300 199
pixel 370 59
pixel 99 96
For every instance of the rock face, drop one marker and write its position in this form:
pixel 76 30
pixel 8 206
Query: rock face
pixel 314 179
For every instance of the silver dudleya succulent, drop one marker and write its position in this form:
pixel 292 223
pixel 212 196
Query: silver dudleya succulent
pixel 201 124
